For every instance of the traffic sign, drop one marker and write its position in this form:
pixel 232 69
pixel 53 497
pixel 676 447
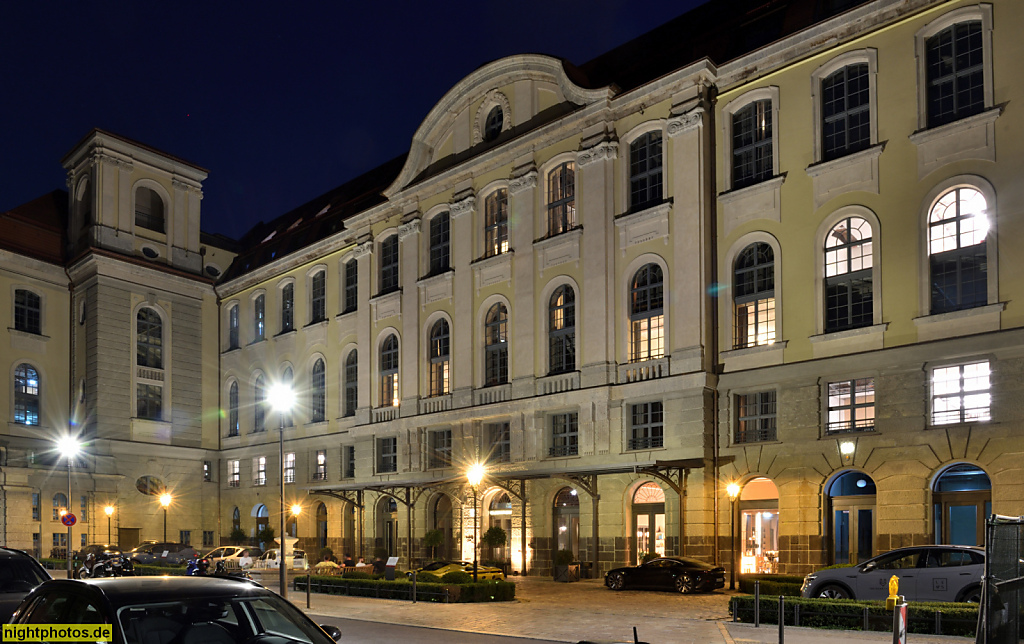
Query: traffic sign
pixel 68 519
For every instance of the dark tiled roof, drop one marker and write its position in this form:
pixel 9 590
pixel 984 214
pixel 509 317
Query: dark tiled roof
pixel 37 228
pixel 313 221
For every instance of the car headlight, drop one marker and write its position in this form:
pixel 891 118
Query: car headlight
pixel 807 580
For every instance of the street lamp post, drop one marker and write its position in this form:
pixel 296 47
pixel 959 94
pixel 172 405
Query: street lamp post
pixel 165 500
pixel 733 490
pixel 282 398
pixel 69 448
pixel 110 511
pixel 475 475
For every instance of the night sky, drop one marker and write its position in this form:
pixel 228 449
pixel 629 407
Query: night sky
pixel 279 101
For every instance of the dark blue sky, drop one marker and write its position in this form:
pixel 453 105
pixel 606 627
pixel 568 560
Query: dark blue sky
pixel 280 101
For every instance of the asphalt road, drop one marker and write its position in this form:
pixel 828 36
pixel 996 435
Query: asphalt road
pixel 354 631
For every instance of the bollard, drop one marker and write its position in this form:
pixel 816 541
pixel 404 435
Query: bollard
pixel 867 621
pixel 414 586
pixel 796 614
pixel 782 619
pixel 938 622
pixel 757 603
pixel 309 583
pixel 735 610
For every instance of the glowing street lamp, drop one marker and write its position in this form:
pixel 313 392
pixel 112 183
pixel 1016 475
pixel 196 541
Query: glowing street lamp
pixel 282 399
pixel 165 500
pixel 110 511
pixel 733 490
pixel 69 448
pixel 475 474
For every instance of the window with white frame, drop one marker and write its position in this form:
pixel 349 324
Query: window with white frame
pixel 496 223
pixel 849 302
pixel 500 438
pixel 289 467
pixel 389 372
pixel 562 198
pixel 440 445
pixel 259 404
pixel 318 297
pixel 259 318
pixel 27 312
pixel 234 473
pixel 958 255
pixel 647 426
pixel 562 330
pixel 439 358
pixel 755 417
pixel 647 314
pixel 845 111
pixel 233 409
pixel 440 244
pixel 26 395
pixel 564 434
pixel 259 470
pixel 287 307
pixel 496 346
pixel 149 343
pixel 318 393
pixel 320 471
pixel 349 463
pixel 961 393
pixel 754 296
pixel 351 286
pixel 351 383
pixel 389 265
pixel 645 171
pixel 851 405
pixel 752 154
pixel 233 327
pixel 955 73
pixel 387 454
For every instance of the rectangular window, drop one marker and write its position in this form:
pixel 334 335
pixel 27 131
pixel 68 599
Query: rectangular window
pixel 349 470
pixel 961 393
pixel 83 508
pixel 27 312
pixel 956 76
pixel 752 144
pixel 149 401
pixel 755 417
pixel 389 265
pixel 259 315
pixel 647 337
pixel 440 449
pixel 648 429
pixel 234 473
pixel 287 308
pixel 259 471
pixel 851 405
pixel 501 444
pixel 185 537
pixel 440 244
pixel 387 455
pixel 84 541
pixel 846 117
pixel 318 301
pixel 645 171
pixel 289 467
pixel 562 199
pixel 351 286
pixel 496 223
pixel 60 539
pixel 35 506
pixel 320 472
pixel 564 435
pixel 233 327
pixel 207 538
pixel 207 471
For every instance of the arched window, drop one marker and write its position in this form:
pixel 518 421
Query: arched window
pixel 496 346
pixel 562 330
pixel 260 405
pixel 440 244
pixel 259 318
pixel 27 312
pixel 26 395
pixel 645 171
pixel 318 297
pixel 852 497
pixel 957 228
pixel 440 358
pixel 233 327
pixel 149 339
pixel 288 380
pixel 649 521
pixel 351 383
pixel 496 223
pixel 287 308
pixel 236 519
pixel 562 198
pixel 149 210
pixel 848 275
pixel 647 314
pixel 389 265
pixel 754 296
pixel 845 111
pixel 318 394
pixel 389 372
pixel 956 73
pixel 60 505
pixel 233 409
pixel 566 520
pixel 494 123
pixel 962 499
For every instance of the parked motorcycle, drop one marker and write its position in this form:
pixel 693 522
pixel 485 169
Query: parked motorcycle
pixel 201 568
pixel 113 566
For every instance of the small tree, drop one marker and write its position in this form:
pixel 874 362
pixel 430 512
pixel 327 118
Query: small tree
pixel 495 537
pixel 432 539
pixel 266 535
pixel 237 536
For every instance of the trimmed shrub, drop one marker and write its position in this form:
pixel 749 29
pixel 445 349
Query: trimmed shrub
pixel 457 578
pixel 427 578
pixel 357 574
pixel 776 585
pixel 564 558
pixel 485 591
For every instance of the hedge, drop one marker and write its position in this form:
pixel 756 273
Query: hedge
pixel 788 585
pixel 849 614
pixel 484 591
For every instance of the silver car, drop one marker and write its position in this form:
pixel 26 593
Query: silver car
pixel 926 573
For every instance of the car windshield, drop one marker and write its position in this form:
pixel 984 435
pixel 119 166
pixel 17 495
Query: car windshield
pixel 434 565
pixel 220 620
pixel 20 575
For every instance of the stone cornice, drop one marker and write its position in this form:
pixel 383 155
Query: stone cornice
pixel 685 122
pixel 464 206
pixel 523 182
pixel 408 228
pixel 605 150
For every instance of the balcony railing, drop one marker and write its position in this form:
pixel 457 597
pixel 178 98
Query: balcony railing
pixel 563 450
pixel 755 435
pixel 557 383
pixel 845 426
pixel 319 476
pixel 234 483
pixel 647 442
pixel 387 466
pixel 384 414
pixel 646 370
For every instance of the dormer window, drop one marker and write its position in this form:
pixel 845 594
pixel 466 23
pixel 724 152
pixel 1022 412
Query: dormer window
pixel 149 210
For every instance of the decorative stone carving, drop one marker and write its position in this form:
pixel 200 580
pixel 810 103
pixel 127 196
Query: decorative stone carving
pixel 685 122
pixel 557 250
pixel 605 150
pixel 643 226
pixel 523 182
pixel 124 166
pixel 493 270
pixel 492 99
pixel 463 207
pixel 436 288
pixel 363 249
pixel 973 137
pixel 408 228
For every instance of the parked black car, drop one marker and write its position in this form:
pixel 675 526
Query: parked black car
pixel 682 574
pixel 19 574
pixel 184 610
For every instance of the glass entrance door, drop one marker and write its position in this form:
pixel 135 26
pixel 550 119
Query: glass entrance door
pixel 853 533
pixel 650 531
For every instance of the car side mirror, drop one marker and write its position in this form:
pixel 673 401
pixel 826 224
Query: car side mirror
pixel 333 631
pixel 868 567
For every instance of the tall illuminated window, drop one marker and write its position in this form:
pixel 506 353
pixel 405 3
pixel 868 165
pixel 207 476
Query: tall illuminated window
pixel 496 223
pixel 848 275
pixel 958 253
pixel 754 297
pixel 562 198
pixel 562 330
pixel 496 346
pixel 440 358
pixel 647 314
pixel 389 372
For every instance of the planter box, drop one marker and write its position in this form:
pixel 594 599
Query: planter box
pixel 567 573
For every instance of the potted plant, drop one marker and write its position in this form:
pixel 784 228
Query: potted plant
pixel 237 536
pixel 494 538
pixel 566 567
pixel 432 539
pixel 265 537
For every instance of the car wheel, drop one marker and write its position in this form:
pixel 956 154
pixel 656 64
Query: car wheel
pixel 616 581
pixel 971 595
pixel 684 584
pixel 833 591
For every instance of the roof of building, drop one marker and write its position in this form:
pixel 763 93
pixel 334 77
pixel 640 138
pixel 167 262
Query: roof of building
pixel 36 228
pixel 133 142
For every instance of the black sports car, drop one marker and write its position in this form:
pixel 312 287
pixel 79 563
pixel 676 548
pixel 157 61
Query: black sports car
pixel 682 574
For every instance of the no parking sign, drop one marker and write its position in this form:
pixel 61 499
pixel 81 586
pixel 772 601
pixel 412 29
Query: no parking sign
pixel 68 519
